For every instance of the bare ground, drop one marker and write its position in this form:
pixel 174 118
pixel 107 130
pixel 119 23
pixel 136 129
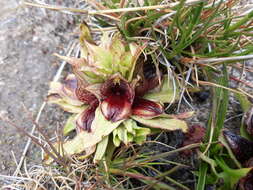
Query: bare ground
pixel 28 37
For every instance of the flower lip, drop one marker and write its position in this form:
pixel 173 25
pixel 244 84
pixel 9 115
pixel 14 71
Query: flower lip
pixel 117 86
pixel 118 98
pixel 146 108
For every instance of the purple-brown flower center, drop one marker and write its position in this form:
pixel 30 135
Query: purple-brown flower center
pixel 118 98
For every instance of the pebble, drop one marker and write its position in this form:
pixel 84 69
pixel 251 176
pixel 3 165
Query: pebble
pixel 3 113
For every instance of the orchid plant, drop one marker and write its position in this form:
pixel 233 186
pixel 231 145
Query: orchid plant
pixel 114 97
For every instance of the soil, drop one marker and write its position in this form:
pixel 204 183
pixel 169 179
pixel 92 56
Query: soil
pixel 29 37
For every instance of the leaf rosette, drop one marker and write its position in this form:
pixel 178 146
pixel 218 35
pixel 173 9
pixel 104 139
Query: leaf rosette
pixel 112 94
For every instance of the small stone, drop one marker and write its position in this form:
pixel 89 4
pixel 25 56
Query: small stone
pixel 3 113
pixel 2 83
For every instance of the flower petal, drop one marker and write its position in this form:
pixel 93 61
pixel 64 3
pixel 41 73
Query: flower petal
pixel 241 147
pixel 116 108
pixel 118 98
pixel 146 108
pixel 85 119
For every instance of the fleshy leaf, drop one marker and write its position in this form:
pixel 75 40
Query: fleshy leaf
pixel 130 124
pixel 163 123
pixel 129 132
pixel 166 94
pixel 100 128
pixel 75 62
pixel 102 58
pixel 184 115
pixel 122 134
pixel 70 125
pixel 230 176
pixel 116 140
pixel 85 141
pixel 73 147
pixel 57 91
pixel 101 148
pixel 146 108
pixel 85 34
pixel 55 99
pixel 140 139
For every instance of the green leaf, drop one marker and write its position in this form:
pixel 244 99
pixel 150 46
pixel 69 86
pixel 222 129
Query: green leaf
pixel 87 141
pixel 244 102
pixel 163 123
pixel 66 106
pixel 103 58
pixel 129 132
pixel 221 98
pixel 202 176
pixel 141 131
pixel 129 124
pixel 116 140
pixel 230 176
pixel 246 105
pixel 231 155
pixel 208 160
pixel 100 128
pixel 72 147
pixel 101 148
pixel 70 125
pixel 139 139
pixel 122 134
pixel 168 93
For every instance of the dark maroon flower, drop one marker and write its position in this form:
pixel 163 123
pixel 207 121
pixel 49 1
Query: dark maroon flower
pixel 119 101
pixel 72 96
pixel 195 134
pixel 146 108
pixel 149 79
pixel 241 147
pixel 85 119
pixel 74 88
pixel 118 97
